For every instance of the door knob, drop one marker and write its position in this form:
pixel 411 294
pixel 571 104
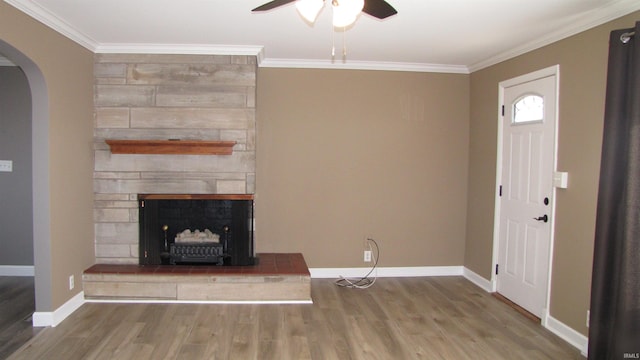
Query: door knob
pixel 544 218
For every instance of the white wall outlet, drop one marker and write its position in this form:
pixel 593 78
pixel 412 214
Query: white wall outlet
pixel 367 256
pixel 6 166
pixel 71 282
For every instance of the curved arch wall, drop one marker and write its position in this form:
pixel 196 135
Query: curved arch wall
pixel 60 75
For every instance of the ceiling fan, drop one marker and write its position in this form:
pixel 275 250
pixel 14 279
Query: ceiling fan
pixel 345 12
pixel 376 8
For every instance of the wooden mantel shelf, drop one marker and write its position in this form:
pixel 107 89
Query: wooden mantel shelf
pixel 179 147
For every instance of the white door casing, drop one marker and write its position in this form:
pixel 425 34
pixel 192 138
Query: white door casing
pixel 526 165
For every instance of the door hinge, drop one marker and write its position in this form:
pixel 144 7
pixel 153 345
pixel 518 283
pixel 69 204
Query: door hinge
pixel 145 254
pixel 500 191
pixel 502 110
pixel 142 203
pixel 496 269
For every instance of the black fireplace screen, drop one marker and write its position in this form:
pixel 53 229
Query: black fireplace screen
pixel 196 231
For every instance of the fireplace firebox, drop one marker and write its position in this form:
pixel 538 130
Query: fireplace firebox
pixel 196 229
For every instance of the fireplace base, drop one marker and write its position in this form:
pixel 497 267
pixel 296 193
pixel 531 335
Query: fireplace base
pixel 278 278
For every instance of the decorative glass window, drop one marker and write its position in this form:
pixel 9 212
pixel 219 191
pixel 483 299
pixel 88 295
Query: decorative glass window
pixel 528 109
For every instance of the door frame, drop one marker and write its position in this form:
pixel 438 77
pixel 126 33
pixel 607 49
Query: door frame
pixel 539 74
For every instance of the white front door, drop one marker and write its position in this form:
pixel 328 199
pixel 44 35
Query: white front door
pixel 526 199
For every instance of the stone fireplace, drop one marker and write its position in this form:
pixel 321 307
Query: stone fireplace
pixel 173 101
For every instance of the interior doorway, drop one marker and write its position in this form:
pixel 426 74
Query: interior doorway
pixel 40 175
pixel 16 206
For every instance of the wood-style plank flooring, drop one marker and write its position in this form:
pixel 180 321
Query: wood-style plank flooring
pixel 17 303
pixel 397 318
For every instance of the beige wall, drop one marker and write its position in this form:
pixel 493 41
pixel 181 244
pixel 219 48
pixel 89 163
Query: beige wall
pixel 346 154
pixel 67 69
pixel 583 64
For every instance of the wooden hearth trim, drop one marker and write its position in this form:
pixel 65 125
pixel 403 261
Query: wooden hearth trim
pixel 195 196
pixel 173 147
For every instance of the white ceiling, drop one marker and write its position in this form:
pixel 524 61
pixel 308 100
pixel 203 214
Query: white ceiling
pixel 425 35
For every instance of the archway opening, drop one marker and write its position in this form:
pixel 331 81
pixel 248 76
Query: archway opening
pixel 40 175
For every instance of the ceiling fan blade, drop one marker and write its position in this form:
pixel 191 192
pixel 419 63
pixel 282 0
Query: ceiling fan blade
pixel 272 5
pixel 378 8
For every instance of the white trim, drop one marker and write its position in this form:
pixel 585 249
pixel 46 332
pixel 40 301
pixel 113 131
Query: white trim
pixel 566 333
pixel 157 301
pixel 258 51
pixel 53 318
pixel 16 270
pixel 417 271
pixel 553 70
pixel 191 49
pixel 588 21
pixel 363 65
pixel 480 281
pixel 41 14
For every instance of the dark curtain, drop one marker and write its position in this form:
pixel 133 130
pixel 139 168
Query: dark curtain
pixel 614 331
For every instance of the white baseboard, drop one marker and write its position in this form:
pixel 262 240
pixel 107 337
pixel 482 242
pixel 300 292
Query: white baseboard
pixel 53 318
pixel 416 271
pixel 481 282
pixel 566 333
pixel 152 301
pixel 16 270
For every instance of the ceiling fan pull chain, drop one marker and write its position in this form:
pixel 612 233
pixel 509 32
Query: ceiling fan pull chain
pixel 344 44
pixel 333 43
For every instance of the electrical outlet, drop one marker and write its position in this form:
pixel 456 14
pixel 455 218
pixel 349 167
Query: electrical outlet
pixel 71 282
pixel 367 256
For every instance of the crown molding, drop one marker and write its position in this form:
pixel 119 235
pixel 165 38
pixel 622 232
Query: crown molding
pixel 47 18
pixel 585 22
pixel 363 65
pixel 190 49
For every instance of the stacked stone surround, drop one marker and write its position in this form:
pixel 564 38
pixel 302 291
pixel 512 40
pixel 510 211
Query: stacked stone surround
pixel 161 97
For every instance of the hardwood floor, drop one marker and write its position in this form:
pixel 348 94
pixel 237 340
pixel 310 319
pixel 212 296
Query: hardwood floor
pixel 397 318
pixel 17 304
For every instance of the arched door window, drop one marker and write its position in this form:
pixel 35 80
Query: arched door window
pixel 529 108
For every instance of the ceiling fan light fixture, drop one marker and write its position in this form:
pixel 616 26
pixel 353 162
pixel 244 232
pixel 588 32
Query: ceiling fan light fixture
pixel 309 9
pixel 345 12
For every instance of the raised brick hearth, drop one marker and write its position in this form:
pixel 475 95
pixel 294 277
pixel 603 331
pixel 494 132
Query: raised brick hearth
pixel 276 278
